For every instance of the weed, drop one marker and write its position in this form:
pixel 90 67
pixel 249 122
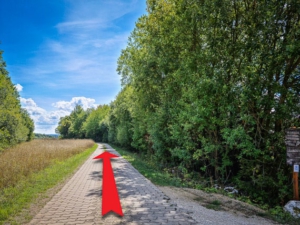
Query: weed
pixel 216 202
pixel 199 199
pixel 148 169
pixel 261 214
pixel 215 205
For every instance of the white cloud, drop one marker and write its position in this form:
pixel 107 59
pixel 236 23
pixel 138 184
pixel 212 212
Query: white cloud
pixel 19 87
pixel 79 24
pixel 28 102
pixel 47 121
pixel 45 129
pixel 69 106
pixel 92 15
pixel 40 115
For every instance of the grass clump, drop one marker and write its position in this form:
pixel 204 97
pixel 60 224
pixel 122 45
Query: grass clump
pixel 148 169
pixel 55 160
pixel 215 205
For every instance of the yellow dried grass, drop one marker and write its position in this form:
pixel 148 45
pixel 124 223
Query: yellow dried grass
pixel 30 157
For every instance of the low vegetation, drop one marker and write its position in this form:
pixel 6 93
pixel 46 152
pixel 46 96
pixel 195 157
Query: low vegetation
pixel 168 177
pixel 215 205
pixel 149 169
pixel 33 167
pixel 34 156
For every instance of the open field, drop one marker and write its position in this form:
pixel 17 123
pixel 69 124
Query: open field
pixel 33 167
pixel 30 157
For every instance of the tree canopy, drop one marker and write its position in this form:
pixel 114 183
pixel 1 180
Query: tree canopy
pixel 210 87
pixel 90 123
pixel 214 84
pixel 15 123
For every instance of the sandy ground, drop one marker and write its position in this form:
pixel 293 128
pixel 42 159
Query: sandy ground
pixel 215 209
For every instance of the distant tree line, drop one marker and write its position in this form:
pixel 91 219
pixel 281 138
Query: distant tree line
pixel 45 136
pixel 209 87
pixel 90 123
pixel 16 125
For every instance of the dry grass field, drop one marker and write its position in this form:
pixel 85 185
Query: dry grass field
pixel 30 157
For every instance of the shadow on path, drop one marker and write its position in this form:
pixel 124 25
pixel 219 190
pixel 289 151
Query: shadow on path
pixel 142 202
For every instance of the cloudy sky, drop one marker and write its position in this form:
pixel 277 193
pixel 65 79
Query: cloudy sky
pixel 60 53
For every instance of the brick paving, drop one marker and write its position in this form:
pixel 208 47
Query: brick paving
pixel 79 201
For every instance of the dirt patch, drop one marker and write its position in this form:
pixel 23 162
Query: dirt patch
pixel 225 203
pixel 187 198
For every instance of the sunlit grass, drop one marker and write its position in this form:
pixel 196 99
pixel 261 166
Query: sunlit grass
pixel 30 157
pixel 148 169
pixel 32 168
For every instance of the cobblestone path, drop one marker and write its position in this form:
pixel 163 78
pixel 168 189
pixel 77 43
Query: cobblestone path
pixel 79 201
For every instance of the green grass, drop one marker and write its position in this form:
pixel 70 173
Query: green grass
pixel 148 169
pixel 14 199
pixel 215 205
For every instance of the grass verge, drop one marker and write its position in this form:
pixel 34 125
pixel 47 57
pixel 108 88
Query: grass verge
pixel 148 169
pixel 14 199
pixel 27 158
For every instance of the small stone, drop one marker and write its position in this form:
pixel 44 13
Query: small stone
pixel 293 207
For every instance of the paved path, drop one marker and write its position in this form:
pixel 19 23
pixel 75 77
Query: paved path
pixel 79 201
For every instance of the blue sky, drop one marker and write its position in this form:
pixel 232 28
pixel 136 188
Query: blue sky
pixel 60 53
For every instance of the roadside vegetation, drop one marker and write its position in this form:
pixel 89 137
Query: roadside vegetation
pixel 169 177
pixel 31 168
pixel 208 89
pixel 16 126
pixel 149 168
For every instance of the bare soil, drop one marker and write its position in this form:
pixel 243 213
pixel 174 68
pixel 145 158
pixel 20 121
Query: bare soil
pixel 193 201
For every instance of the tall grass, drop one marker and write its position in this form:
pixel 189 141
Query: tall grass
pixel 30 169
pixel 27 158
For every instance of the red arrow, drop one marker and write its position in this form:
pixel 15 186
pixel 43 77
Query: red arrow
pixel 110 197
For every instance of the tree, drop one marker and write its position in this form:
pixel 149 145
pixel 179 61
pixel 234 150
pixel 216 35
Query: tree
pixel 28 122
pixel 96 126
pixel 214 84
pixel 120 126
pixel 72 126
pixel 63 127
pixel 78 116
pixel 15 123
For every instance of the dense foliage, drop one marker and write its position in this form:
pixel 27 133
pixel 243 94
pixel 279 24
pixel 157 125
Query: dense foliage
pixel 15 123
pixel 90 123
pixel 209 87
